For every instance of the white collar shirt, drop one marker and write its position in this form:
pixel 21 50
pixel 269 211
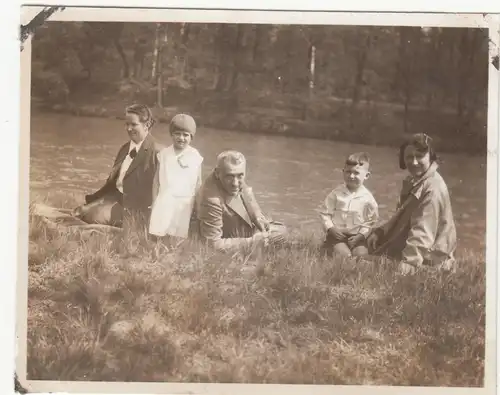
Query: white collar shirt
pixel 350 212
pixel 126 163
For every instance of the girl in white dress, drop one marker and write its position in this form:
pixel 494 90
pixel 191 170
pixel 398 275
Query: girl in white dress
pixel 178 178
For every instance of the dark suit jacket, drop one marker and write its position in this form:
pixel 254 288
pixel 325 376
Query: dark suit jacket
pixel 138 180
pixel 224 221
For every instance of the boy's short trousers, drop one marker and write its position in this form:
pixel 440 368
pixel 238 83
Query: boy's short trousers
pixel 330 240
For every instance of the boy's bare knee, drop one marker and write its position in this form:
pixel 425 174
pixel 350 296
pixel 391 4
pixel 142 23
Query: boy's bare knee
pixel 360 251
pixel 341 249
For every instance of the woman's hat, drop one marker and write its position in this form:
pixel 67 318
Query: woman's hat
pixel 183 122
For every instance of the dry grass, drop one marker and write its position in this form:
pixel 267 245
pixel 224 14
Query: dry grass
pixel 296 317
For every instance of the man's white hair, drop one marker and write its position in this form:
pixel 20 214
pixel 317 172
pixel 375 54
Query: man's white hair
pixel 230 157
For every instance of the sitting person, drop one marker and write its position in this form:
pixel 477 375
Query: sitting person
pixel 177 180
pixel 422 231
pixel 127 193
pixel 350 211
pixel 228 216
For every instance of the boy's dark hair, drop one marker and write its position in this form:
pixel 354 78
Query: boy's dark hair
pixel 358 159
pixel 422 142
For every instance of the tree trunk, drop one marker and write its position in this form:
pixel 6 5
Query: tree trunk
pixel 156 52
pixel 360 69
pixel 186 30
pixel 462 80
pixel 432 63
pixel 361 60
pixel 396 83
pixel 123 56
pixel 407 82
pixel 256 42
pixel 139 54
pixel 405 70
pixel 287 75
pixel 159 88
pixel 468 43
pixel 312 67
pixel 237 52
pixel 406 121
pixel 162 39
pixel 220 51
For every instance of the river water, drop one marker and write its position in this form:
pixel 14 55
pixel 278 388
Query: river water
pixel 290 176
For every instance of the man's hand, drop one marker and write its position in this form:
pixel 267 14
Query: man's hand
pixel 335 233
pixel 271 237
pixel 276 236
pixel 354 240
pixel 265 224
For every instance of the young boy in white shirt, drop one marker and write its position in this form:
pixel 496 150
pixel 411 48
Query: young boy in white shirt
pixel 350 211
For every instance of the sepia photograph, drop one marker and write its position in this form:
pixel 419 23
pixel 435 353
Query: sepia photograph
pixel 272 198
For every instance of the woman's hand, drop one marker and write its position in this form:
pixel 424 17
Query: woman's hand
pixel 405 269
pixel 77 211
pixel 354 240
pixel 372 241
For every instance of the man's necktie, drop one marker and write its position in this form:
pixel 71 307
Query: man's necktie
pixel 133 153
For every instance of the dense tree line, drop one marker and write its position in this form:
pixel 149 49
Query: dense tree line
pixel 311 73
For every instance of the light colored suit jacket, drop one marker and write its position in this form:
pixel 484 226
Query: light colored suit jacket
pixel 226 222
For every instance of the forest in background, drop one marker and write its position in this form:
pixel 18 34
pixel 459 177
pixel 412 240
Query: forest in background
pixel 363 84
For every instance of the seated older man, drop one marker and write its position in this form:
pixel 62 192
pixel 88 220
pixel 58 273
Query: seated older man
pixel 228 215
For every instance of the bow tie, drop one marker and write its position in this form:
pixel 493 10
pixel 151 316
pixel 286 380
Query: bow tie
pixel 133 153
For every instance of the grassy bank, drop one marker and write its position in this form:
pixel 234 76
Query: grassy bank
pixel 325 118
pixel 293 317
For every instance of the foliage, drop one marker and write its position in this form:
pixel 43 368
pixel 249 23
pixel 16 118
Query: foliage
pixel 260 67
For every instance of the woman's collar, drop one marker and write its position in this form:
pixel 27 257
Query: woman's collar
pixel 428 173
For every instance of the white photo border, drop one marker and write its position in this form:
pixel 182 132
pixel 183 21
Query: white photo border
pixel 490 22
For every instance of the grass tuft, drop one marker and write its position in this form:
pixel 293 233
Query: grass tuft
pixel 290 316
